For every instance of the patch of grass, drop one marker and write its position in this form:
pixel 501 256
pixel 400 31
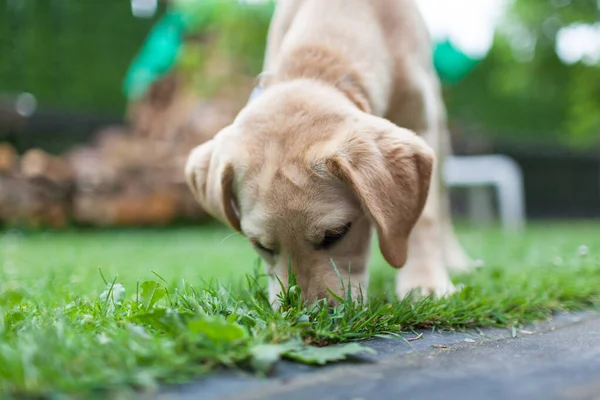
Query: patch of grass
pixel 158 313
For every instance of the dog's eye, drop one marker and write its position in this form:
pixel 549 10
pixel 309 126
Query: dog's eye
pixel 263 248
pixel 332 236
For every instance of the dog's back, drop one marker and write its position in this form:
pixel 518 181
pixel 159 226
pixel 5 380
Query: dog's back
pixel 378 37
pixel 306 171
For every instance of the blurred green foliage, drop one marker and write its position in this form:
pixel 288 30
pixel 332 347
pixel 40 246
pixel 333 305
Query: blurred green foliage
pixel 192 34
pixel 70 54
pixel 225 30
pixel 75 54
pixel 241 29
pixel 524 91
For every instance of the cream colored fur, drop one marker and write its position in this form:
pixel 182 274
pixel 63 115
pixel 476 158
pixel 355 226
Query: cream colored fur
pixel 350 131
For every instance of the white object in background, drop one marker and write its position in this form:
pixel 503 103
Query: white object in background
pixel 26 104
pixel 144 8
pixel 468 24
pixel 579 42
pixel 498 171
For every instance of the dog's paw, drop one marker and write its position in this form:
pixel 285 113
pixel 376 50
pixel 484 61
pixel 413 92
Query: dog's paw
pixel 419 289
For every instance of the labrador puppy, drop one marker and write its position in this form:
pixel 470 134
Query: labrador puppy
pixel 345 137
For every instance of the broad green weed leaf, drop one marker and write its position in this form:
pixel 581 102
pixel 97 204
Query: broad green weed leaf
pixel 217 329
pixel 152 318
pixel 265 356
pixel 152 293
pixel 324 355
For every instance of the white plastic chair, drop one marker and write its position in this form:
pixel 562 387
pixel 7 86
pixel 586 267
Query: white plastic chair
pixel 498 171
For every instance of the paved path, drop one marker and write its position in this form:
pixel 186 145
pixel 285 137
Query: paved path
pixel 555 360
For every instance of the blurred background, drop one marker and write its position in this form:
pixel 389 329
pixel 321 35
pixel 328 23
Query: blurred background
pixel 101 101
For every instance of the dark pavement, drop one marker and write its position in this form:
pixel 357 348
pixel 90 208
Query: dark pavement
pixel 555 360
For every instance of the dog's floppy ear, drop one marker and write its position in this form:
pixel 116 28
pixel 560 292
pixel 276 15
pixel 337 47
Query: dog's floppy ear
pixel 389 171
pixel 210 176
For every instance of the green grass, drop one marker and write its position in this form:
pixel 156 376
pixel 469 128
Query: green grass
pixel 174 322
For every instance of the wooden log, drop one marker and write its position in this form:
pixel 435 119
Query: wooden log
pixel 9 158
pixel 154 209
pixel 92 173
pixel 36 163
pixel 54 215
pixel 170 110
pixel 32 203
pixel 163 109
pixel 123 179
pixel 126 209
pixel 187 206
pixel 205 119
pixel 92 208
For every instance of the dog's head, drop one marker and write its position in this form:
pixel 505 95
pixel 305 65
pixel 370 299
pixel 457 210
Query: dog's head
pixel 304 176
